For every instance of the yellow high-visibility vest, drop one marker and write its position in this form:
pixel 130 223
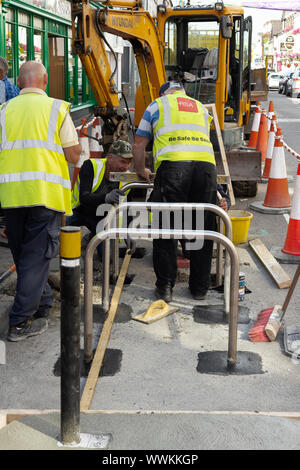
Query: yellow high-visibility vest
pixel 99 172
pixel 33 168
pixel 99 165
pixel 182 130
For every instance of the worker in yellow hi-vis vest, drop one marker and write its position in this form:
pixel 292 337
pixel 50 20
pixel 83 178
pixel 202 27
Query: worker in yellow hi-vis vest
pixel 185 169
pixel 94 188
pixel 37 139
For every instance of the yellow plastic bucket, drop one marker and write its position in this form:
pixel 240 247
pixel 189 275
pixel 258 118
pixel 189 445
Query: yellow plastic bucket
pixel 240 225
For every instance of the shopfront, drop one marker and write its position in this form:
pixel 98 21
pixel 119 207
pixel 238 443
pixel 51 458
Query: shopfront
pixel 41 30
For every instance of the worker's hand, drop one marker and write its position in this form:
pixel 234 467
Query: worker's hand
pixel 114 196
pixel 223 204
pixel 146 174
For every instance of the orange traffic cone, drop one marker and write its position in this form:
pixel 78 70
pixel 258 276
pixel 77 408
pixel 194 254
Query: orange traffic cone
pixel 277 194
pixel 270 114
pixel 292 242
pixel 262 139
pixel 255 127
pixel 270 149
pixel 96 150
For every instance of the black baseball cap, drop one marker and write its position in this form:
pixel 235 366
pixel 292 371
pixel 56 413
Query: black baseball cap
pixel 167 85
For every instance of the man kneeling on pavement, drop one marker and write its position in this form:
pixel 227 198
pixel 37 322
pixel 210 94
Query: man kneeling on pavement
pixel 93 187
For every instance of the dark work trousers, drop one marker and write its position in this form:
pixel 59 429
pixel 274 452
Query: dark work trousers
pixel 33 237
pixel 190 181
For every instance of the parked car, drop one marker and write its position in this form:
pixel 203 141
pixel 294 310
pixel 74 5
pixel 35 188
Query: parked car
pixel 283 82
pixel 293 85
pixel 273 80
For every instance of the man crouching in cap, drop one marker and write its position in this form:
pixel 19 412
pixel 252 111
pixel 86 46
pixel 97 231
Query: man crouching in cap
pixel 93 187
pixel 185 169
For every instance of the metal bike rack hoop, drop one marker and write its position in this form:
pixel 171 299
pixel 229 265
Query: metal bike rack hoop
pixel 174 234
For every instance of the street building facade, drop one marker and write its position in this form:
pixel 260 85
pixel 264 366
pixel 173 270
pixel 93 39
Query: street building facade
pixel 278 47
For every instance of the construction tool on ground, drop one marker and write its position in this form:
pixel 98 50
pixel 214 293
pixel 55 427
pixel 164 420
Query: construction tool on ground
pixel 270 320
pixel 157 310
pixel 7 273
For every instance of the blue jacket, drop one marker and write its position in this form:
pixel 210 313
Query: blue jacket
pixel 10 89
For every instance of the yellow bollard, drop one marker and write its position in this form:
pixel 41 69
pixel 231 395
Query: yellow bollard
pixel 70 251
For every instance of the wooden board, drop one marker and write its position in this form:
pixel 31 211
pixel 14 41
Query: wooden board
pixel 212 109
pixel 270 263
pixel 89 388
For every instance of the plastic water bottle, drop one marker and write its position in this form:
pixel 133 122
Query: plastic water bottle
pixel 242 286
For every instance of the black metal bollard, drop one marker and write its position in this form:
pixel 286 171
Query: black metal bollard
pixel 70 251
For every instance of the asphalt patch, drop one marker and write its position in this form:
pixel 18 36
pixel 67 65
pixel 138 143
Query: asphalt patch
pixel 216 314
pixel 123 314
pixel 215 363
pixel 111 364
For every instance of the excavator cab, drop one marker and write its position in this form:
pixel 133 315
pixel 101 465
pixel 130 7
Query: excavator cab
pixel 209 51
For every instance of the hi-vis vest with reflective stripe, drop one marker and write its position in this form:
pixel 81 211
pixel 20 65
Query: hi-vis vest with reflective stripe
pixel 182 130
pixel 33 168
pixel 99 165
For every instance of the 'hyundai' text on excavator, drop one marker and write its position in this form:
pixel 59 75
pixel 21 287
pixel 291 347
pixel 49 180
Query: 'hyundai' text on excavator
pixel 207 48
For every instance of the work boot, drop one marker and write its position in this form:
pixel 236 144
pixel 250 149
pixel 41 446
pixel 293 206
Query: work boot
pixel 164 292
pixel 28 328
pixel 41 314
pixel 198 294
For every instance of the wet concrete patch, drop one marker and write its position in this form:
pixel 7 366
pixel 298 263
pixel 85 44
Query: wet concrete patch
pixel 111 364
pixel 123 314
pixel 215 363
pixel 216 314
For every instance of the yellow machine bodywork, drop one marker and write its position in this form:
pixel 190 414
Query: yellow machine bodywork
pixel 129 20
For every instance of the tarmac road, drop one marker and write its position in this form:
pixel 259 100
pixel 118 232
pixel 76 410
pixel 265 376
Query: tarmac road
pixel 157 367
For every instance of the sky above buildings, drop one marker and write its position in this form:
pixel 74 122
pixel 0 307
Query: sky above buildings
pixel 259 16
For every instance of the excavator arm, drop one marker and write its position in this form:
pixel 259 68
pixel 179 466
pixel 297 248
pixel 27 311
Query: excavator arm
pixel 127 19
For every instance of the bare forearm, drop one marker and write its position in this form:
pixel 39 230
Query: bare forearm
pixel 139 159
pixel 72 154
pixel 139 147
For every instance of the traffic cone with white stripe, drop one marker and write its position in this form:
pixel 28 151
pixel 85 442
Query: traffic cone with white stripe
pixel 277 194
pixel 263 136
pixel 292 242
pixel 96 150
pixel 270 149
pixel 84 142
pixel 270 114
pixel 255 127
pixel 85 150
